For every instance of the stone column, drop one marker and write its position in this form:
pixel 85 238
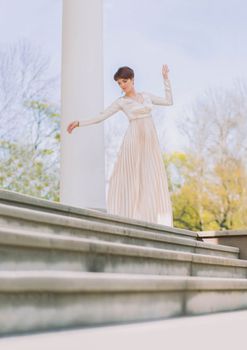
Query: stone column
pixel 82 152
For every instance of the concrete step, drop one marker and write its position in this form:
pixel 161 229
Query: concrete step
pixel 20 250
pixel 42 222
pixel 226 329
pixel 15 199
pixel 39 301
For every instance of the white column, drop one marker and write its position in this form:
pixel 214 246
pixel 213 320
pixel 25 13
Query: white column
pixel 82 152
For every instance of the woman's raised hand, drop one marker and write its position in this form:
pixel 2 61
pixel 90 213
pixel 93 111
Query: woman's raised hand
pixel 165 71
pixel 72 125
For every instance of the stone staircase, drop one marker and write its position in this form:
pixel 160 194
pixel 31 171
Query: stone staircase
pixel 63 267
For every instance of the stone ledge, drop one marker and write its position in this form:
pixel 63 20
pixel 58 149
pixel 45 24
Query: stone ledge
pixel 225 233
pixel 233 238
pixel 34 301
pixel 62 281
pixel 110 255
pixel 98 230
pixel 7 234
pixel 26 201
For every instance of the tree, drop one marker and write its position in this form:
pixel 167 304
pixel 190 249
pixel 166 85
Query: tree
pixel 30 122
pixel 209 178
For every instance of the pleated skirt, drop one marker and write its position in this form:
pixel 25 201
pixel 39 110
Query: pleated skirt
pixel 138 186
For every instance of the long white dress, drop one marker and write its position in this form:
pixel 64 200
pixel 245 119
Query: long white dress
pixel 138 186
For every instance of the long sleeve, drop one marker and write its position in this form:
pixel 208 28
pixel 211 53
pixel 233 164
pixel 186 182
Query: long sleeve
pixel 106 113
pixel 167 100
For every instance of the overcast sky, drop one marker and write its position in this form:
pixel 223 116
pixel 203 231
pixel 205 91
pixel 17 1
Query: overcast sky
pixel 202 41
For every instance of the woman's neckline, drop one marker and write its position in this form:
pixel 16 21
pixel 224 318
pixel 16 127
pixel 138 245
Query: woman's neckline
pixel 133 99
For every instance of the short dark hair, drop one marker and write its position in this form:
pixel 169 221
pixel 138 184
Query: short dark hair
pixel 124 73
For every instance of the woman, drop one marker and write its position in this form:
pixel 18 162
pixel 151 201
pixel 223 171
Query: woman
pixel 138 186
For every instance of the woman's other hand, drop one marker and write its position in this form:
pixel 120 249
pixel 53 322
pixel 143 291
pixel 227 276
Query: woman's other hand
pixel 165 71
pixel 72 125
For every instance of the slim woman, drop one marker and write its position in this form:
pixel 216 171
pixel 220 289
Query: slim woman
pixel 138 187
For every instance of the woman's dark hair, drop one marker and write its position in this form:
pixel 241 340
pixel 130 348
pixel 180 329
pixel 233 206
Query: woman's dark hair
pixel 124 73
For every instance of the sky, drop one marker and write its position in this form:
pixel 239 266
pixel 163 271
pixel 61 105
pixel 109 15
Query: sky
pixel 39 21
pixel 202 41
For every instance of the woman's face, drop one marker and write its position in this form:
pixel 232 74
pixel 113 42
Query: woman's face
pixel 126 84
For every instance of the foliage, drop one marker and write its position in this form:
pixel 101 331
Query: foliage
pixel 208 179
pixel 213 200
pixel 30 122
pixel 21 170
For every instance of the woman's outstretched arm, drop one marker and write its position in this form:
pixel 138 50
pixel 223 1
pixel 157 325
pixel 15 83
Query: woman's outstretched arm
pixel 167 100
pixel 106 113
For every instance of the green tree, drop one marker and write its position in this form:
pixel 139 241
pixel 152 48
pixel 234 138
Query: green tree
pixel 212 200
pixel 22 171
pixel 30 122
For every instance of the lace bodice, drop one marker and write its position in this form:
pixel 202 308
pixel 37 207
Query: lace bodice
pixel 132 108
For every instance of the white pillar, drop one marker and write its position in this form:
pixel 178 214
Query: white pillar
pixel 82 152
